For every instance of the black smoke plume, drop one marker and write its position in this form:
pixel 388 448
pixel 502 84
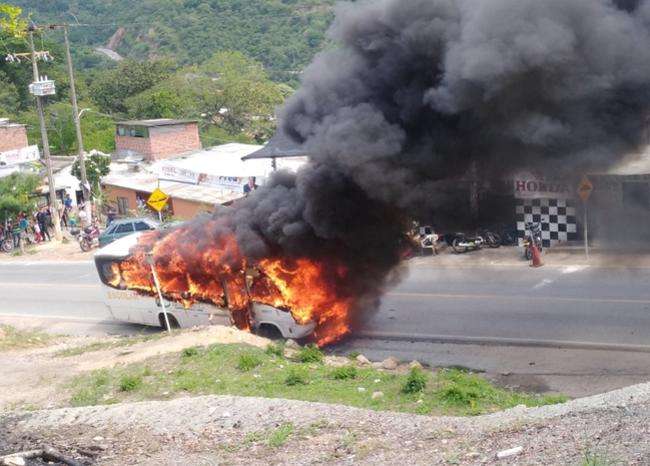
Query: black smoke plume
pixel 414 92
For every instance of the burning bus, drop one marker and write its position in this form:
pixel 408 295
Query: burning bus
pixel 131 296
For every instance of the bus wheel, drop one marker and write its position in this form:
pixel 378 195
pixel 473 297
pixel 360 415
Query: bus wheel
pixel 173 323
pixel 269 331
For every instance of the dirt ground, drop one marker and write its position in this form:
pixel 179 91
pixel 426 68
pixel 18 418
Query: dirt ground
pixel 49 251
pixel 611 428
pixel 38 372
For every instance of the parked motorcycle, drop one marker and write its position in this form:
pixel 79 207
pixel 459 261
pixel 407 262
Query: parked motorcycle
pixel 493 240
pixel 6 243
pixel 463 243
pixel 89 238
pixel 532 237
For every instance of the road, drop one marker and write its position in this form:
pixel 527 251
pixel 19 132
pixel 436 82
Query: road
pixel 577 329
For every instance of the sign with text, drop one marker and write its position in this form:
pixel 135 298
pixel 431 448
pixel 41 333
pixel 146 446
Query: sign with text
pixel 158 200
pixel 528 186
pixel 18 156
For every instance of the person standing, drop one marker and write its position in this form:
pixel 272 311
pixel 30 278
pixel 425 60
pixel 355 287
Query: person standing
pixel 250 186
pixel 41 219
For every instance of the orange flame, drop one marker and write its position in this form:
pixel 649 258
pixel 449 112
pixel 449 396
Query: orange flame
pixel 189 273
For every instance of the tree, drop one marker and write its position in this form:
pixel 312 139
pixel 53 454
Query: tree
pixel 11 22
pixel 111 88
pixel 17 194
pixel 97 165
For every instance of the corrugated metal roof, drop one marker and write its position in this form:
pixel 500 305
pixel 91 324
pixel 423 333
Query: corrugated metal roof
pixel 155 122
pixel 280 145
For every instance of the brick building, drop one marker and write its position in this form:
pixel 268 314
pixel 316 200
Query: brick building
pixel 156 139
pixel 12 136
pixel 15 152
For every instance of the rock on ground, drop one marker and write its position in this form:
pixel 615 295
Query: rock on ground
pixel 612 427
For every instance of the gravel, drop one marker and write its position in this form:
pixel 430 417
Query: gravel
pixel 611 427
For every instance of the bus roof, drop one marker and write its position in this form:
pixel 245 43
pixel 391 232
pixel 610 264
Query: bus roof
pixel 119 248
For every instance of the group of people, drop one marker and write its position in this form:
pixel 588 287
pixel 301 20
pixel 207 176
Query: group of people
pixel 28 229
pixel 36 228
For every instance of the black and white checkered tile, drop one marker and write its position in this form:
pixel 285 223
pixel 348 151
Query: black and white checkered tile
pixel 556 216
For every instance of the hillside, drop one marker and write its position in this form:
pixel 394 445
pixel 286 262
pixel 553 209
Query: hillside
pixel 282 34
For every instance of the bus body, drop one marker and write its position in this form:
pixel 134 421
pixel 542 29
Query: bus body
pixel 130 306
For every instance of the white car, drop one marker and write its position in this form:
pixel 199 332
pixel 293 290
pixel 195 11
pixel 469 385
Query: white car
pixel 130 306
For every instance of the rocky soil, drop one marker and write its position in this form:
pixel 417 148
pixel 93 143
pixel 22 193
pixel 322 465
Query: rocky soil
pixel 612 428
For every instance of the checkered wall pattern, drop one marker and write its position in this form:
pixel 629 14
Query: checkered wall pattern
pixel 556 216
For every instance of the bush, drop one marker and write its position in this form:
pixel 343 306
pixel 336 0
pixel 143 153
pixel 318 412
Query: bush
pixel 415 382
pixel 353 354
pixel 296 376
pixel 248 361
pixel 344 373
pixel 128 383
pixel 190 352
pixel 274 349
pixel 310 353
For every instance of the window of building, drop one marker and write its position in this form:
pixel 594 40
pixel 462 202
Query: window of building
pixel 121 131
pixel 138 132
pixel 124 228
pixel 122 205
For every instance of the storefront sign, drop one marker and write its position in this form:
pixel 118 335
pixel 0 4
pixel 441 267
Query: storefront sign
pixel 19 156
pixel 183 175
pixel 534 187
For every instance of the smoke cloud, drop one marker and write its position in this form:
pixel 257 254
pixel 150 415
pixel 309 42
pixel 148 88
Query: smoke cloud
pixel 414 92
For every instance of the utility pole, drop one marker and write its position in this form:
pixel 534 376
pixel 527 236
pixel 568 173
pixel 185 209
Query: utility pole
pixel 77 124
pixel 54 210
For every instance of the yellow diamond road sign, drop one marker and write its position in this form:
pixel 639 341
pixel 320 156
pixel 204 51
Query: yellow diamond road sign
pixel 585 189
pixel 157 200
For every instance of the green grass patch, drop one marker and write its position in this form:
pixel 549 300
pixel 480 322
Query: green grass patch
pixel 344 373
pixel 128 383
pixel 227 370
pixel 310 353
pixel 12 338
pixel 279 436
pixel 248 361
pixel 105 345
pixel 275 349
pixel 415 382
pixel 190 352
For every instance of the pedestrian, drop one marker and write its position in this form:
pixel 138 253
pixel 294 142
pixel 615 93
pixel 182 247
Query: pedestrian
pixel 41 219
pixel 110 216
pixel 84 221
pixel 250 186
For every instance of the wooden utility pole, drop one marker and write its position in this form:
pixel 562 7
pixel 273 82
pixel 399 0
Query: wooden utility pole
pixel 54 210
pixel 85 186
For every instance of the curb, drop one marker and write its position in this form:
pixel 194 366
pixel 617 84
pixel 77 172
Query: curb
pixel 494 341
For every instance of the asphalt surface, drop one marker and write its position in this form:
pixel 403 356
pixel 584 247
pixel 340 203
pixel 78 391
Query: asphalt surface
pixel 577 329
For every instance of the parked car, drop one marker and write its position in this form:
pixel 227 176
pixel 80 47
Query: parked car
pixel 124 227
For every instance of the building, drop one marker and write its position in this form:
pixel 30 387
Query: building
pixel 195 182
pixel 15 152
pixel 152 140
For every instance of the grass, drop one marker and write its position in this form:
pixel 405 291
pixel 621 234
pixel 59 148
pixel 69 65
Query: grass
pixel 105 345
pixel 415 382
pixel 226 370
pixel 12 338
pixel 310 353
pixel 344 373
pixel 596 459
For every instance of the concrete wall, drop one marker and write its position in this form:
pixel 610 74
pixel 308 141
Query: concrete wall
pixel 112 193
pixel 12 137
pixel 180 208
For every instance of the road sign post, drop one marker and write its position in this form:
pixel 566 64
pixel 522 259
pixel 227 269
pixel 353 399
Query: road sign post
pixel 585 189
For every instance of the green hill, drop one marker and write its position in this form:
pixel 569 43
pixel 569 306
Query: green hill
pixel 282 34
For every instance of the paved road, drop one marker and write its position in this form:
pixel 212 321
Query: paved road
pixel 541 326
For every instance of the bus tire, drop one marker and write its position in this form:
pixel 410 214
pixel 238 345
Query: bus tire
pixel 173 323
pixel 269 331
